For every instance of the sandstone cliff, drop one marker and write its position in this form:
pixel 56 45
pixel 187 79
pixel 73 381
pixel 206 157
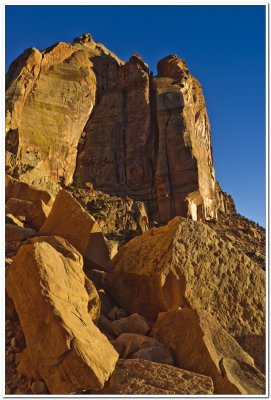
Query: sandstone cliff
pixel 76 111
pixel 128 269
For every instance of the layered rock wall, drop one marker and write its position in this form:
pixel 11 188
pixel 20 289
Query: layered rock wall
pixel 77 110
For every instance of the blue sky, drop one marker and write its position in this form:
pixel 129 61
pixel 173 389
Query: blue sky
pixel 223 46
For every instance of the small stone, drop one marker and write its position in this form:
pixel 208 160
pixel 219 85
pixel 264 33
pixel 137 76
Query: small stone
pixel 135 323
pixel 39 387
pixel 112 315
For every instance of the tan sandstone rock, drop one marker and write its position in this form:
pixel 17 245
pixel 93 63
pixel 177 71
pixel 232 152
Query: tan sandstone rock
pixel 134 345
pixel 66 348
pixel 14 233
pixel 23 191
pixel 255 346
pixel 200 344
pixel 185 263
pixel 149 378
pixel 34 213
pixel 92 103
pixel 55 88
pixel 184 177
pixel 135 323
pixel 66 249
pixel 68 219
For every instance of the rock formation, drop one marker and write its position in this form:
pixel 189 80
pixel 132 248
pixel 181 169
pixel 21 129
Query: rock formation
pixel 186 264
pixel 137 377
pixel 112 124
pixel 47 287
pixel 199 343
pixel 128 269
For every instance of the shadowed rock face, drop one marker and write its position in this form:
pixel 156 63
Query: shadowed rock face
pixel 78 109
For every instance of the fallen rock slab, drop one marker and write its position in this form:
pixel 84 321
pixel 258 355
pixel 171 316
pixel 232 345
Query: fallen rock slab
pixel 68 219
pixel 186 264
pixel 135 323
pixel 146 377
pixel 132 345
pixel 16 233
pixel 33 213
pixel 200 344
pixel 67 250
pixel 66 348
pixel 23 191
pixel 254 345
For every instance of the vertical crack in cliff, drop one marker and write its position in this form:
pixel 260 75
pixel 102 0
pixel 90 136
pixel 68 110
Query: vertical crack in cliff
pixel 124 124
pixel 154 137
pixel 166 150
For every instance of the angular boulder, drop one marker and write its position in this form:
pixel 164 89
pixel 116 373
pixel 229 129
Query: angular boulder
pixel 186 264
pixel 68 219
pixel 150 378
pixel 48 290
pixel 200 344
pixel 33 213
pixel 135 323
pixel 255 346
pixel 66 249
pixel 133 345
pixel 14 233
pixel 23 191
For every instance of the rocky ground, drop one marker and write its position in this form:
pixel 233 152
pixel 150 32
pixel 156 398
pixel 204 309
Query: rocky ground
pixel 124 304
pixel 243 233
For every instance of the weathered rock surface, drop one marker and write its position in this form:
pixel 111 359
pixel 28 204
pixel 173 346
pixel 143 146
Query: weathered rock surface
pixel 34 214
pixel 254 345
pixel 150 378
pixel 186 264
pixel 68 219
pixel 66 249
pixel 200 344
pixel 88 129
pixel 135 323
pixel 186 186
pixel 55 88
pixel 14 233
pixel 92 104
pixel 47 287
pixel 119 218
pixel 243 234
pixel 10 219
pixel 23 191
pixel 133 345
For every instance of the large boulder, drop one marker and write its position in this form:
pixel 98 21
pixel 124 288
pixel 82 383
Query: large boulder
pixel 200 344
pixel 14 233
pixel 151 378
pixel 254 345
pixel 133 345
pixel 68 219
pixel 23 191
pixel 47 286
pixel 135 323
pixel 32 213
pixel 186 264
pixel 66 249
